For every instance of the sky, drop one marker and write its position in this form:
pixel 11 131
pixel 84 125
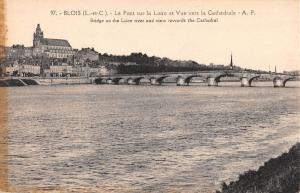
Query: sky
pixel 269 38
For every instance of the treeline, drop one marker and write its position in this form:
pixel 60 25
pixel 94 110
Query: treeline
pixel 138 58
pixel 135 69
pixel 142 63
pixel 279 175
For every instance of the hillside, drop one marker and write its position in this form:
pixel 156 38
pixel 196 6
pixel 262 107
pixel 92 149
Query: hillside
pixel 142 63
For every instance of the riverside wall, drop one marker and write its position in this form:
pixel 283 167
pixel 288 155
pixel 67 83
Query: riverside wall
pixel 25 81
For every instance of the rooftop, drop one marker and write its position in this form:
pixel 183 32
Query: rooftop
pixel 55 42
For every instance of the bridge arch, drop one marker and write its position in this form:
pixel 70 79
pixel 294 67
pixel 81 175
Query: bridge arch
pixel 253 78
pixel 99 81
pixel 218 78
pixel 161 79
pixel 117 80
pixel 277 78
pixel 138 80
pixel 287 79
pixel 189 78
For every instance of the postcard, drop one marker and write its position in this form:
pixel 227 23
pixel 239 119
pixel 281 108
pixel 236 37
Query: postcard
pixel 190 96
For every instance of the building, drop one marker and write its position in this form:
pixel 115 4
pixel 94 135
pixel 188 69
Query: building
pixel 52 58
pixel 29 70
pixel 61 70
pixel 17 69
pixel 28 52
pixel 17 52
pixel 52 48
pixel 11 69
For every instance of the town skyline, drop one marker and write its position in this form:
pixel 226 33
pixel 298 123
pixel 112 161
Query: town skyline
pixel 175 42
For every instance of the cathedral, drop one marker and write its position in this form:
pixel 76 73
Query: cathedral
pixel 52 48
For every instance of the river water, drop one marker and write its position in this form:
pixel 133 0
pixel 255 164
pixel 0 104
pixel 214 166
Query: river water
pixel 109 138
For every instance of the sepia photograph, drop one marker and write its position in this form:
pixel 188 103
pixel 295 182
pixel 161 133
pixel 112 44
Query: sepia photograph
pixel 156 96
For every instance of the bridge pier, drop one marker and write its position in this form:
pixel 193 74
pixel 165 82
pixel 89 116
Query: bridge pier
pixel 278 82
pixel 245 82
pixel 153 81
pixel 130 81
pixel 109 81
pixel 212 81
pixel 180 81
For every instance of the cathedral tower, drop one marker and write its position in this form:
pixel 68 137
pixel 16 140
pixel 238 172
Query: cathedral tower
pixel 37 36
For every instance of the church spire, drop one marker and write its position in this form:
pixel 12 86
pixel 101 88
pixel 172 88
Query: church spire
pixel 231 63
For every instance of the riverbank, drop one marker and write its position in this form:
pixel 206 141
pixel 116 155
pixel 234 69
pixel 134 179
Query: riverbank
pixel 24 81
pixel 11 82
pixel 278 175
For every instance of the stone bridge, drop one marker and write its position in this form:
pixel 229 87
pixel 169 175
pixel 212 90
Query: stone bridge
pixel 212 78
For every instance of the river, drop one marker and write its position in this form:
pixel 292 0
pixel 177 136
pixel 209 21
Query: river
pixel 110 138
